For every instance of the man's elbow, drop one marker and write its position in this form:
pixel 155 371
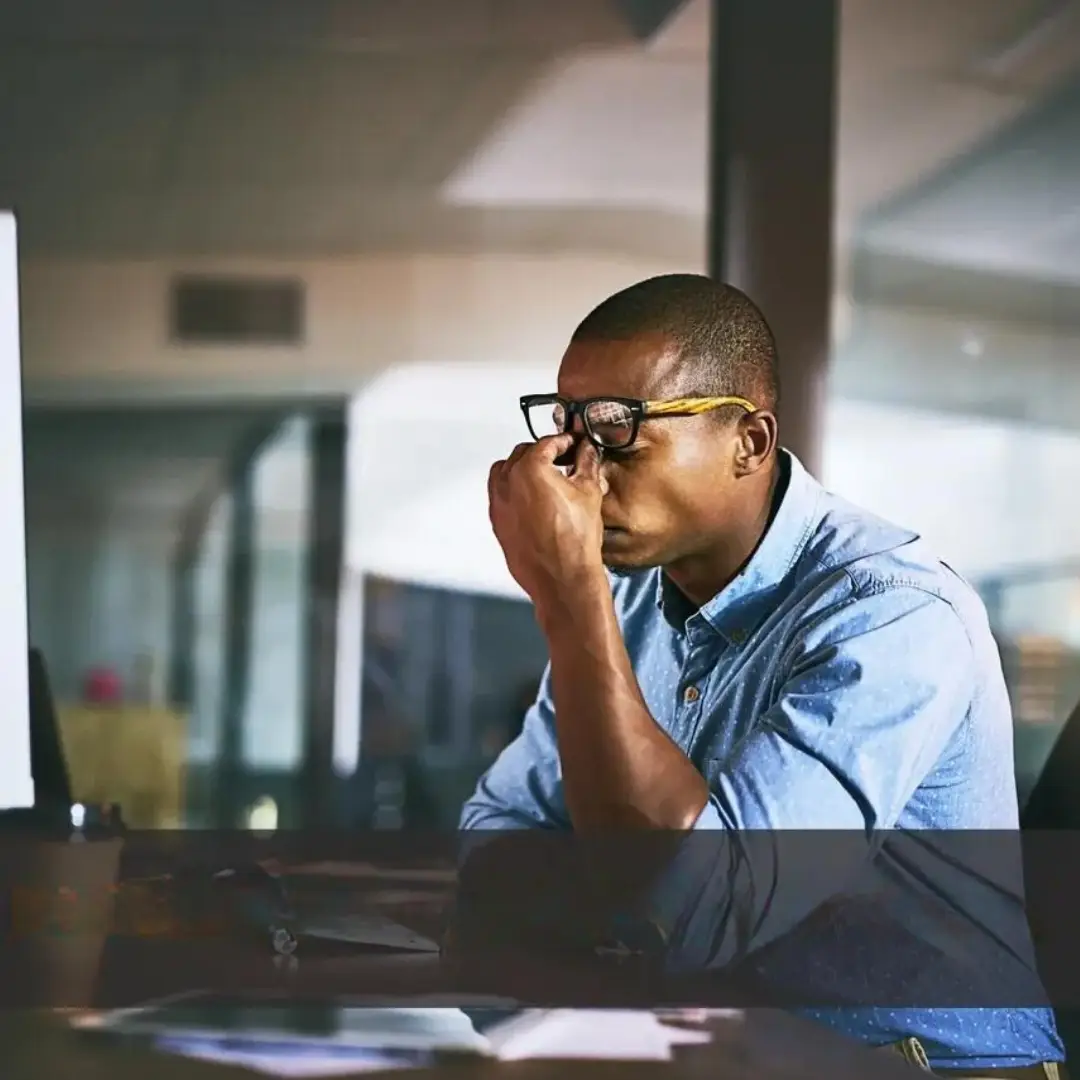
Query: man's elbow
pixel 693 812
pixel 472 816
pixel 479 815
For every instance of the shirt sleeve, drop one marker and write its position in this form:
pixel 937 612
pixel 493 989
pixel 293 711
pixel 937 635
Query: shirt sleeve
pixel 523 788
pixel 872 693
pixel 514 824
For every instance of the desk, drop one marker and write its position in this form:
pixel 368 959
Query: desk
pixel 767 1045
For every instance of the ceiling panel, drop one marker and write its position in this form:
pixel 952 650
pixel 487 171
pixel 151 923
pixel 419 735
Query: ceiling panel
pixel 929 36
pixel 262 119
pixel 650 18
pixel 99 113
pixel 330 127
pixel 321 25
pixel 320 222
pixel 601 130
pixel 330 120
pixel 1005 206
pixel 686 34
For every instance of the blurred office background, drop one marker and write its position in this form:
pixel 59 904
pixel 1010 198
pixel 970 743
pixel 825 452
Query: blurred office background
pixel 286 268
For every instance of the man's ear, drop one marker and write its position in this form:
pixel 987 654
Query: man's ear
pixel 755 441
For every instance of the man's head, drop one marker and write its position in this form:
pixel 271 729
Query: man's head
pixel 689 487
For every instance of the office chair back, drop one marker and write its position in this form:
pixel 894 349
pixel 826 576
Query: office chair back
pixel 1051 824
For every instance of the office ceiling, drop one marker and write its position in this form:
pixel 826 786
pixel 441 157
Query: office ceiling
pixel 1010 206
pixel 223 126
pixel 131 127
pixel 136 128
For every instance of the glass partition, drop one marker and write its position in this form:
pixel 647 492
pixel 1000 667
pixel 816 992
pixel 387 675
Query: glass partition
pixel 272 739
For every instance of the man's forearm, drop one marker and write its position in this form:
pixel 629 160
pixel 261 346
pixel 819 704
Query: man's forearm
pixel 620 768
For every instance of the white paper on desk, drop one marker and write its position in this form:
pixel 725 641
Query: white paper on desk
pixel 699 1016
pixel 291 1060
pixel 599 1034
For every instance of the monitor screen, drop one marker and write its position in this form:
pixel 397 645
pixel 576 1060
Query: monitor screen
pixel 16 781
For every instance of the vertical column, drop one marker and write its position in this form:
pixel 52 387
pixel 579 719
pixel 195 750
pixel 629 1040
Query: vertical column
pixel 771 170
pixel 326 535
pixel 239 581
pixel 237 616
pixel 193 525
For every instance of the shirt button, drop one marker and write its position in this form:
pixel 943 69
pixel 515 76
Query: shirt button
pixel 691 694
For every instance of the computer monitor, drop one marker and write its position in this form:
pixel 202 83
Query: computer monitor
pixel 16 769
pixel 52 781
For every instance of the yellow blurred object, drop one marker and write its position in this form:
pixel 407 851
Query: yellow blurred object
pixel 133 755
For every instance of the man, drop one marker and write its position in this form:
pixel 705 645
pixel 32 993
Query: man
pixel 770 658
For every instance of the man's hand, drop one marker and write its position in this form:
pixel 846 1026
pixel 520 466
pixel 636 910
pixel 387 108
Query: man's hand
pixel 548 524
pixel 620 769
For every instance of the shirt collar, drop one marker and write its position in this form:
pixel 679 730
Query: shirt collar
pixel 740 606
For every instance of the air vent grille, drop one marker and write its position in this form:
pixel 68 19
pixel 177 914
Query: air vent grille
pixel 237 311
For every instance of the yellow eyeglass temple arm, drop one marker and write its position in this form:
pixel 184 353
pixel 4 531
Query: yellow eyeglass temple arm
pixel 694 405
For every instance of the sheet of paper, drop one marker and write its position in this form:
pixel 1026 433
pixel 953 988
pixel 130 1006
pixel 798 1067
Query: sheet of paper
pixel 604 1034
pixel 392 1038
pixel 293 1060
pixel 698 1016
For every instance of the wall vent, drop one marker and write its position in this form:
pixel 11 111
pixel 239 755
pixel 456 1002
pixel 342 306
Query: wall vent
pixel 237 311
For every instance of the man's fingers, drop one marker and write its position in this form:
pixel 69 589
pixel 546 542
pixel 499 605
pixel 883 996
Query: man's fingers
pixel 495 476
pixel 518 453
pixel 553 446
pixel 545 451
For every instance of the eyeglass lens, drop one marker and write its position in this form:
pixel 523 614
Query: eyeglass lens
pixel 610 423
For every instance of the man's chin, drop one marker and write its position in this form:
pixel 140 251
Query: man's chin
pixel 620 556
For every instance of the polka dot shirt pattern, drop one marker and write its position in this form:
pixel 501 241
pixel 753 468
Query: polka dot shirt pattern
pixel 846 680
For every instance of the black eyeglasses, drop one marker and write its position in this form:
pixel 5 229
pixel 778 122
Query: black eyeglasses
pixel 612 423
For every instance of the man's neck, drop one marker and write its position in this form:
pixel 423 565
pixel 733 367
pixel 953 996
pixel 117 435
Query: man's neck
pixel 700 577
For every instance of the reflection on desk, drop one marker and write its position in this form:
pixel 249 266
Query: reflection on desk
pixel 292 1033
pixel 767 1045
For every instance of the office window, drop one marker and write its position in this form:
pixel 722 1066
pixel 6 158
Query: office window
pixel 208 638
pixel 954 391
pixel 281 497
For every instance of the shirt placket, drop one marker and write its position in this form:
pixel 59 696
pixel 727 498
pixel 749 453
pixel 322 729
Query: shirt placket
pixel 701 657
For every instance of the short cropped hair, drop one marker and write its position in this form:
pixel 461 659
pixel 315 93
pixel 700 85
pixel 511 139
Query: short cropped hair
pixel 725 345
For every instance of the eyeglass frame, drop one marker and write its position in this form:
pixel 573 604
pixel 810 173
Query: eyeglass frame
pixel 639 410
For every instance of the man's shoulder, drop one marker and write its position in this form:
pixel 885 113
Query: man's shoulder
pixel 867 557
pixel 859 573
pixel 852 561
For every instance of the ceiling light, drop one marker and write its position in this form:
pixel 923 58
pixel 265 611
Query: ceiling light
pixel 972 345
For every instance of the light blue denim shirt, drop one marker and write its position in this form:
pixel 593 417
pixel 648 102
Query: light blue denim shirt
pixel 845 680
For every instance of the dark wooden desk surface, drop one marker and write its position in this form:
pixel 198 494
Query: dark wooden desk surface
pixel 765 1045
